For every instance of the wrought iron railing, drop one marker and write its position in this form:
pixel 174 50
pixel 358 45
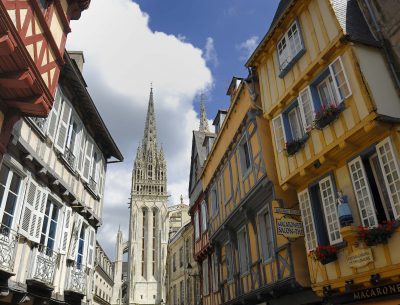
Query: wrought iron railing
pixel 69 157
pixel 76 278
pixel 44 264
pixel 8 246
pixel 40 123
pixel 92 185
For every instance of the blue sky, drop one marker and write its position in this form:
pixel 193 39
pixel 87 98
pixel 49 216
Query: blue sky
pixel 184 48
pixel 228 22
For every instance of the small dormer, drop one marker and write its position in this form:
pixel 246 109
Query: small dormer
pixel 219 120
pixel 208 142
pixel 233 86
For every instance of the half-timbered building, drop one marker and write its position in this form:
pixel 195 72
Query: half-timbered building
pixel 33 34
pixel 331 102
pixel 51 198
pixel 254 259
pixel 202 141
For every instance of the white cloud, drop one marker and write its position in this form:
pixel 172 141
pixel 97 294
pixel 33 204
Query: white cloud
pixel 122 58
pixel 210 53
pixel 247 47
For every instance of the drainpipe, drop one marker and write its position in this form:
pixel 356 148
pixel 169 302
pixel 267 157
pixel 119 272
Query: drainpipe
pixel 392 63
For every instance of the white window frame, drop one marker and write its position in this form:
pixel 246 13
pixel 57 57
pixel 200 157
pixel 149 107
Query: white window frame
pixel 389 161
pixel 204 216
pixel 53 204
pixel 196 225
pixel 229 262
pixel 245 168
pixel 279 120
pixel 215 272
pixel 306 107
pixel 310 233
pixel 296 124
pixel 326 186
pixel 336 81
pixel 54 115
pixel 206 283
pixel 363 193
pixel 214 200
pixel 287 53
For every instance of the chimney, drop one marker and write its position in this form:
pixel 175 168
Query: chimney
pixel 78 57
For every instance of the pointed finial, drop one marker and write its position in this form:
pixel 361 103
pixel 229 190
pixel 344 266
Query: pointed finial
pixel 181 199
pixel 203 116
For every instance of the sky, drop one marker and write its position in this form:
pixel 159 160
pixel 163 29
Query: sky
pixel 184 48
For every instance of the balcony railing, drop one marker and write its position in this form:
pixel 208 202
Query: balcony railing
pixel 92 185
pixel 44 264
pixel 40 123
pixel 69 157
pixel 76 279
pixel 8 246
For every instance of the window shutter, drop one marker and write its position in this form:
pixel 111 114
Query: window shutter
pixel 28 209
pixel 280 137
pixel 54 114
pixel 66 229
pixel 88 159
pixel 102 176
pixel 63 127
pixel 363 193
pixel 91 245
pixel 73 245
pixel 306 108
pixel 40 207
pixel 81 156
pixel 308 220
pixel 391 173
pixel 330 210
pixel 339 76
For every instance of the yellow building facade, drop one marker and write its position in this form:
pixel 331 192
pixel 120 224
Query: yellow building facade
pixel 333 109
pixel 252 261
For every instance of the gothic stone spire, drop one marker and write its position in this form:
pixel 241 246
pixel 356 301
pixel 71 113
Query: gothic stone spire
pixel 150 130
pixel 203 117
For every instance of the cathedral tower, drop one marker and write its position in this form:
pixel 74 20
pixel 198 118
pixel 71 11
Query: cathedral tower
pixel 148 229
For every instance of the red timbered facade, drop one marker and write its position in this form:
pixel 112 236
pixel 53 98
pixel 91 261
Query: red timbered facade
pixel 33 34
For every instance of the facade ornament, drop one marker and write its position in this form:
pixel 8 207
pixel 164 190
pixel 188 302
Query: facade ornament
pixel 344 212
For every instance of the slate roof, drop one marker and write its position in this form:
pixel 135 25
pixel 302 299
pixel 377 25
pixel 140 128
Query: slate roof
pixel 348 14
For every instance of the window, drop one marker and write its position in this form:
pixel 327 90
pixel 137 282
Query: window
pixel 181 257
pixel 188 250
pixel 188 292
pixel 291 123
pixel 43 4
pixel 196 225
pixel 306 108
pixel 144 225
pixel 203 217
pixel 154 242
pixel 243 247
pixel 49 227
pixel 175 296
pixel 182 287
pixel 295 123
pixel 266 235
pixel 289 47
pixel 279 133
pixel 244 152
pixel 214 200
pixel 72 142
pixel 81 246
pixel 326 92
pixel 214 267
pixel 205 277
pixel 174 262
pixel 376 183
pixel 229 261
pixel 10 184
pixel 319 213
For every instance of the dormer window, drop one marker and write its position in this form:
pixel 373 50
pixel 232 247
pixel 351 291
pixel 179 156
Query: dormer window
pixel 290 48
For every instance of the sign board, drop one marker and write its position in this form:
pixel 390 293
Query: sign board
pixel 289 227
pixel 287 211
pixel 360 258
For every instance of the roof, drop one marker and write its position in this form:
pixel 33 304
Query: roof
pixel 217 116
pixel 347 12
pixel 88 111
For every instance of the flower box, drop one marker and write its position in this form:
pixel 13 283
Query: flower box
pixel 327 115
pixel 294 146
pixel 324 254
pixel 377 235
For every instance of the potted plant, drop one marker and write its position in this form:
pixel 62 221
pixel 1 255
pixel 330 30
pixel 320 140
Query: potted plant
pixel 324 254
pixel 377 235
pixel 327 115
pixel 294 146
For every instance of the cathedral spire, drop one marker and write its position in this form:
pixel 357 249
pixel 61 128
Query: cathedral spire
pixel 150 130
pixel 203 117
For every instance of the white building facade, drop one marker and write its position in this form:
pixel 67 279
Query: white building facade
pixel 103 278
pixel 51 198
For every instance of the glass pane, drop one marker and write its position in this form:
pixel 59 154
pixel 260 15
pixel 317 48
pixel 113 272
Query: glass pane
pixel 1 194
pixel 10 204
pixel 7 220
pixel 54 215
pixel 15 182
pixel 44 227
pixel 50 244
pixel 80 247
pixel 4 174
pixel 53 229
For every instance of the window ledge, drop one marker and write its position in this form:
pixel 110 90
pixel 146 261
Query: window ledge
pixel 88 188
pixel 289 66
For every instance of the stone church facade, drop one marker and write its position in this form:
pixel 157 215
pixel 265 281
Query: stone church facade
pixel 149 224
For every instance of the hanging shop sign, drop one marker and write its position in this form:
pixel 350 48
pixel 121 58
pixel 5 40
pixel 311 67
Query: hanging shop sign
pixel 360 258
pixel 289 227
